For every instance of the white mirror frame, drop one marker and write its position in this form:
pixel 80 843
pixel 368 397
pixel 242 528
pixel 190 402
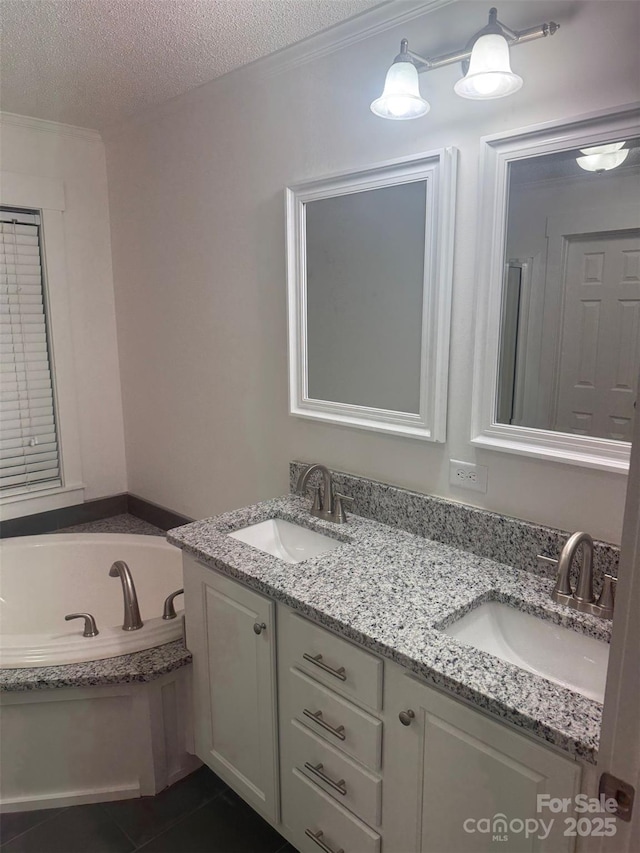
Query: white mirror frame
pixel 438 169
pixel 498 151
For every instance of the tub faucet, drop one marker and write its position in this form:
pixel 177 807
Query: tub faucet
pixel 582 598
pixel 326 504
pixel 132 620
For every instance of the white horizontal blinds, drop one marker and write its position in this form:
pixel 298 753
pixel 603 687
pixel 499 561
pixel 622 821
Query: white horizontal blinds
pixel 29 458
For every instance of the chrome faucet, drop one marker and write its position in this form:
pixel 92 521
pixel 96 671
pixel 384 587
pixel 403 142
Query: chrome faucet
pixel 327 504
pixel 132 620
pixel 582 598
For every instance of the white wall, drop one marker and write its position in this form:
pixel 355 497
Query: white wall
pixel 196 194
pixel 76 157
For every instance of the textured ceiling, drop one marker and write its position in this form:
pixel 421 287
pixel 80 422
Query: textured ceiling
pixel 94 62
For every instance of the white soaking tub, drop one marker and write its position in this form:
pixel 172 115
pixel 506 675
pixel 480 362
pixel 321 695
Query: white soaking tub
pixel 44 578
pixel 80 724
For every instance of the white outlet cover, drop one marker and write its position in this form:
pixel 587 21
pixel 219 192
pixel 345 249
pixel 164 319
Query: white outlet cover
pixel 468 475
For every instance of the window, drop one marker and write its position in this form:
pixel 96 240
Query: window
pixel 29 448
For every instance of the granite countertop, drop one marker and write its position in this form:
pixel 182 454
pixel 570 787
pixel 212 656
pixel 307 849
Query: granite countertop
pixel 393 592
pixel 135 668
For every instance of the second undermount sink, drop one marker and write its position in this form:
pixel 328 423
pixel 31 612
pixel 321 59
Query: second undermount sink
pixel 285 540
pixel 564 656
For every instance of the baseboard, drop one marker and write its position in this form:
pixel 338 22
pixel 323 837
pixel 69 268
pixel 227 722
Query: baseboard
pixel 96 510
pixel 155 514
pixel 57 519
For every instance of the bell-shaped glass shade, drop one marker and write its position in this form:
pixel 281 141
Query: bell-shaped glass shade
pixel 489 74
pixel 401 96
pixel 602 162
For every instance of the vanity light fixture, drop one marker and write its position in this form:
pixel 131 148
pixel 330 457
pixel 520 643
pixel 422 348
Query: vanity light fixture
pixel 485 63
pixel 601 158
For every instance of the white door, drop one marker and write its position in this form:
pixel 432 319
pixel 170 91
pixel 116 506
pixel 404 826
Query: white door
pixel 619 752
pixel 231 634
pixel 600 337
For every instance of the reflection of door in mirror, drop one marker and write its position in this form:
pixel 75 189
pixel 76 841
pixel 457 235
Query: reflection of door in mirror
pixel 600 335
pixel 570 341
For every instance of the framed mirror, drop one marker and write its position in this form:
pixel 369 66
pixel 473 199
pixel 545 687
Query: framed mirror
pixel 369 265
pixel 558 335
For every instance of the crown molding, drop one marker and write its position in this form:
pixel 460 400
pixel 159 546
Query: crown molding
pixel 44 126
pixel 387 15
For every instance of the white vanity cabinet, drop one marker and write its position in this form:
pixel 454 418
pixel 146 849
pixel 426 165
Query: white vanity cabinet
pixel 347 752
pixel 452 766
pixel 231 634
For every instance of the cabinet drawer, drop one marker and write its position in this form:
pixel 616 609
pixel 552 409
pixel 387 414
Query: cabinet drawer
pixel 358 790
pixel 310 810
pixel 335 720
pixel 335 662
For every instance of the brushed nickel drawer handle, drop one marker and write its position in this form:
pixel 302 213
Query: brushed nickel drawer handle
pixel 317 837
pixel 317 660
pixel 316 716
pixel 317 771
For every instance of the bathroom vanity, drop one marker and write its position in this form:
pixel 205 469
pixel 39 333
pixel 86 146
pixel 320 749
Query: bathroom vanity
pixel 330 696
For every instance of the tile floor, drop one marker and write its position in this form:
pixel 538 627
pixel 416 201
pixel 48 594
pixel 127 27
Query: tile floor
pixel 199 814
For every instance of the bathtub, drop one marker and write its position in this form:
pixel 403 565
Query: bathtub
pixel 80 724
pixel 43 578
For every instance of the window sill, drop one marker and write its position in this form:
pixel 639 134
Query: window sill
pixel 29 503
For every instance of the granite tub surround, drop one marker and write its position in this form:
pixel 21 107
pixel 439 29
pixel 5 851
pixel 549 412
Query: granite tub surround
pixel 135 668
pixel 393 592
pixel 487 534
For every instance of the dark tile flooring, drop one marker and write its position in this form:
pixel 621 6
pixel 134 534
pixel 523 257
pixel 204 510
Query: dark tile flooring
pixel 199 814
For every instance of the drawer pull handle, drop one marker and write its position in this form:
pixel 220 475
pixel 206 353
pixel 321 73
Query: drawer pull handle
pixel 317 660
pixel 317 837
pixel 406 717
pixel 259 627
pixel 316 716
pixel 317 771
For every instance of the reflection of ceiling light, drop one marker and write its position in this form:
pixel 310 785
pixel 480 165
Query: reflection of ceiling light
pixel 485 61
pixel 603 149
pixel 601 158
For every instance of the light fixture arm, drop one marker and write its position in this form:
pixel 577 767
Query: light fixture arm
pixel 514 37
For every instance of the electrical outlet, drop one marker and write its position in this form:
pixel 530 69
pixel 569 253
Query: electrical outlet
pixel 466 475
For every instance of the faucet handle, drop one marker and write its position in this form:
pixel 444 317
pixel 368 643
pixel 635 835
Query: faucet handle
pixel 90 627
pixel 339 515
pixel 317 501
pixel 607 597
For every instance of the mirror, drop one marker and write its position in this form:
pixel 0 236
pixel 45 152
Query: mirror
pixel 369 283
pixel 562 271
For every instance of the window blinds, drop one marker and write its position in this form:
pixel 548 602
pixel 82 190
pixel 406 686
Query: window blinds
pixel 29 458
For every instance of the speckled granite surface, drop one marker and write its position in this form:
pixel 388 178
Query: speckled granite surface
pixel 487 534
pixel 390 591
pixel 123 523
pixel 138 667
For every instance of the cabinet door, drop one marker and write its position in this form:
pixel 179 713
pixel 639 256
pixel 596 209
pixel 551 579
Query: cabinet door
pixel 452 768
pixel 231 634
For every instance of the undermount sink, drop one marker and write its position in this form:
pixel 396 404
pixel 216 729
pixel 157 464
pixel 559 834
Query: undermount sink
pixel 559 654
pixel 285 540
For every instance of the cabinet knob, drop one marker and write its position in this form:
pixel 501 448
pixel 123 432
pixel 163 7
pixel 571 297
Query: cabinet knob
pixel 406 717
pixel 259 627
